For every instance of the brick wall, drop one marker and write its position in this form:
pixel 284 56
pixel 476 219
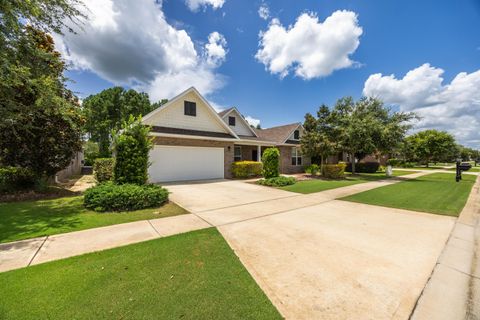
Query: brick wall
pixel 228 154
pixel 286 161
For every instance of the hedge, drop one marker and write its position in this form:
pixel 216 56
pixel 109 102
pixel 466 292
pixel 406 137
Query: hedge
pixel 124 197
pixel 277 181
pixel 400 163
pixel 334 171
pixel 16 178
pixel 363 167
pixel 103 169
pixel 271 160
pixel 312 169
pixel 246 169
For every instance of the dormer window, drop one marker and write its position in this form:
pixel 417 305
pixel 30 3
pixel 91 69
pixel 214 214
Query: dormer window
pixel 190 108
pixel 296 135
pixel 231 121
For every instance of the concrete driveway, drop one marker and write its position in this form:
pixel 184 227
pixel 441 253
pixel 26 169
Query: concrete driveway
pixel 319 258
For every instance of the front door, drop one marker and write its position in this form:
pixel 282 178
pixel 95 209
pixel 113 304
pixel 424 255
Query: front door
pixel 254 155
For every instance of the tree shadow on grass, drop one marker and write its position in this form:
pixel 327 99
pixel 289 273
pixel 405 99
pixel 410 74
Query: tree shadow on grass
pixel 22 220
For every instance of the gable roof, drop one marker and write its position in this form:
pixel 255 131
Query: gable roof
pixel 278 134
pixel 224 112
pixel 209 107
pixel 234 109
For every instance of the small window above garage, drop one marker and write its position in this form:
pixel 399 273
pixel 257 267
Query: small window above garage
pixel 231 121
pixel 190 108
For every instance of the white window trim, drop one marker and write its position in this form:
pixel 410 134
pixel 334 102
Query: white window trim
pixel 295 155
pixel 234 156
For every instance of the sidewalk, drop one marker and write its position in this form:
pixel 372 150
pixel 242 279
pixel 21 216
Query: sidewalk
pixel 24 253
pixel 453 291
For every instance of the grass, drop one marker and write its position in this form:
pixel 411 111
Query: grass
pixel 473 169
pixel 317 185
pixel 29 219
pixel 189 276
pixel 435 193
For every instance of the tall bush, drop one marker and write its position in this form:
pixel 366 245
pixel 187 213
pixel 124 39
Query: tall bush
pixel 103 169
pixel 131 146
pixel 271 159
pixel 334 171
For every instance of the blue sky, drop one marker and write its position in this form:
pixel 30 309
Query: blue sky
pixel 163 48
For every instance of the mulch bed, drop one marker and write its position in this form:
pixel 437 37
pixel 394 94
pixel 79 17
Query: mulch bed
pixel 31 195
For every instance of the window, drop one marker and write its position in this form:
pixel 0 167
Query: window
pixel 237 153
pixel 231 121
pixel 190 108
pixel 296 157
pixel 296 135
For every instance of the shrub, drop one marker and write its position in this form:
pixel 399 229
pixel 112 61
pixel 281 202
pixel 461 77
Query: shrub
pixel 334 171
pixel 363 167
pixel 131 146
pixel 91 152
pixel 246 169
pixel 124 197
pixel 103 169
pixel 277 181
pixel 270 159
pixel 400 163
pixel 16 178
pixel 312 169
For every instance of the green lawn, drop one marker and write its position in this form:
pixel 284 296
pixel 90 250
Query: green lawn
pixel 434 193
pixel 473 169
pixel 317 185
pixel 29 219
pixel 189 276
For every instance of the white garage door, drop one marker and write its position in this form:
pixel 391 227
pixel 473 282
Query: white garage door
pixel 173 163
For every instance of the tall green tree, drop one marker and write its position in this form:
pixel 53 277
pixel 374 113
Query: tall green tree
pixel 106 111
pixel 319 139
pixel 368 126
pixel 40 123
pixel 432 146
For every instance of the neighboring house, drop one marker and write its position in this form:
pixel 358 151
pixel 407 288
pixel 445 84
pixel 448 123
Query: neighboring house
pixel 194 142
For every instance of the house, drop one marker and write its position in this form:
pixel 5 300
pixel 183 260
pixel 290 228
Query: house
pixel 193 142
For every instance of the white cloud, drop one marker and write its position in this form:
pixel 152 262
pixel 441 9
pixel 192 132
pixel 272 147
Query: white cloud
pixel 194 5
pixel 252 121
pixel 264 11
pixel 216 49
pixel 454 107
pixel 131 43
pixel 310 48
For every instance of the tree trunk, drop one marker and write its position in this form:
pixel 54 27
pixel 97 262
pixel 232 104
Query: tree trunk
pixel 321 165
pixel 353 163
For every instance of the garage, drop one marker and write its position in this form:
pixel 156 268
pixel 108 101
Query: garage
pixel 178 163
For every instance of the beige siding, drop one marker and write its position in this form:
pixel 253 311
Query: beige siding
pixel 228 154
pixel 173 116
pixel 240 127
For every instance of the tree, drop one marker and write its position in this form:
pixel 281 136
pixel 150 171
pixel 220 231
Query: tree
pixel 40 123
pixel 367 126
pixel 131 146
pixel 270 160
pixel 319 139
pixel 432 146
pixel 106 111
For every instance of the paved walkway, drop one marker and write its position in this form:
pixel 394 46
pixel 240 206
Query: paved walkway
pixel 24 253
pixel 453 291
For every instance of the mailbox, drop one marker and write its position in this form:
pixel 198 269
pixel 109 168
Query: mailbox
pixel 464 166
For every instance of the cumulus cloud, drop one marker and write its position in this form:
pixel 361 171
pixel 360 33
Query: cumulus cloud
pixel 252 121
pixel 131 43
pixel 194 5
pixel 454 107
pixel 264 11
pixel 310 48
pixel 216 49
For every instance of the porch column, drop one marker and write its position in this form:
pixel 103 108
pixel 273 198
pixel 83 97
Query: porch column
pixel 259 153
